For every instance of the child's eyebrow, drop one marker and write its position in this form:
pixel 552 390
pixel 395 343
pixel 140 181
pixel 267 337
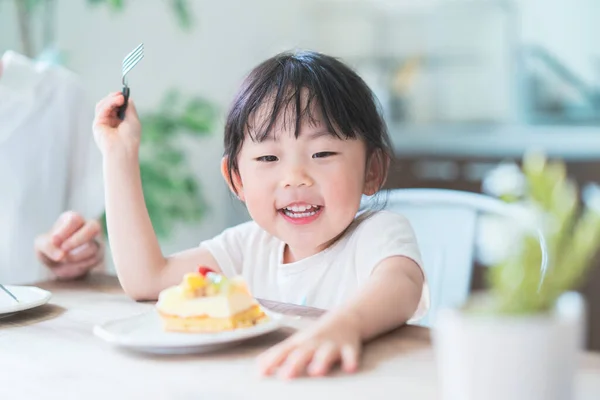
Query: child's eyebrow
pixel 309 136
pixel 318 134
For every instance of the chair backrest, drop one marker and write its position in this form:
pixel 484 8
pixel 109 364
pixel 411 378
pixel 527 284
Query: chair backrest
pixel 445 223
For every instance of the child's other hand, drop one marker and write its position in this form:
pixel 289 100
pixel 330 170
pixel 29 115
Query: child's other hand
pixel 112 134
pixel 316 350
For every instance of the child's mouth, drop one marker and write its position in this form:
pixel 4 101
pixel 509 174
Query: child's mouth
pixel 301 214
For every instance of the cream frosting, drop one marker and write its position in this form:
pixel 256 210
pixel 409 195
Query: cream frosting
pixel 173 301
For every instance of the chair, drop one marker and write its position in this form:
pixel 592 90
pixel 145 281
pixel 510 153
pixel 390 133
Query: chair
pixel 445 224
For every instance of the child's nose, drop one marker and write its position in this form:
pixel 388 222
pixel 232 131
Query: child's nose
pixel 295 177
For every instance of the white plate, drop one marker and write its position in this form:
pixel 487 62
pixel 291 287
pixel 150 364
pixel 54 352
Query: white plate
pixel 29 297
pixel 145 333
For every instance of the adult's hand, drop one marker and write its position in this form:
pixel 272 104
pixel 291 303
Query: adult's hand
pixel 72 247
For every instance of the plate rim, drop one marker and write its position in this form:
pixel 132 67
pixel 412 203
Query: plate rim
pixel 112 338
pixel 44 299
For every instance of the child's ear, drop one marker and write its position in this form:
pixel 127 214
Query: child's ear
pixel 376 173
pixel 235 184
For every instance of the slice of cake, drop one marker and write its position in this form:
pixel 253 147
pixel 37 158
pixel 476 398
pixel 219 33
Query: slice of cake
pixel 206 301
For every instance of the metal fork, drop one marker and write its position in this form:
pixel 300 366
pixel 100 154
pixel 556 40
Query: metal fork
pixel 129 62
pixel 8 292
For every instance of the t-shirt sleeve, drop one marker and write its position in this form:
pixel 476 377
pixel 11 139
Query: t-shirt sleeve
pixel 386 234
pixel 86 190
pixel 228 247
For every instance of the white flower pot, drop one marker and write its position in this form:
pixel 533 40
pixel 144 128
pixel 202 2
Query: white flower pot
pixel 497 357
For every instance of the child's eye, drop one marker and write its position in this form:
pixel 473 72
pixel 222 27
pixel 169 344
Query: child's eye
pixel 267 159
pixel 323 154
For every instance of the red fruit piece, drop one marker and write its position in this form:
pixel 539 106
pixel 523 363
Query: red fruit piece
pixel 204 270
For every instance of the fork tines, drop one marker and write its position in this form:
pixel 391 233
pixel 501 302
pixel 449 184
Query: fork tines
pixel 132 59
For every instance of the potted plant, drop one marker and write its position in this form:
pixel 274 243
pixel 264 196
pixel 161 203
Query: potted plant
pixel 521 338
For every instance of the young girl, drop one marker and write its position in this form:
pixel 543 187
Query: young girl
pixel 303 142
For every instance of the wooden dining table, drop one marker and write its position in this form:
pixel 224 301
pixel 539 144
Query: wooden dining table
pixel 51 352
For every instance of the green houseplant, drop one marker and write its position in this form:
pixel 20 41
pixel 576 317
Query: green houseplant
pixel 521 338
pixel 571 229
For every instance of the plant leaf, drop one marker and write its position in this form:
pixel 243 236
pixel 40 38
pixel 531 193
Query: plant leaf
pixel 572 238
pixel 198 117
pixel 182 13
pixel 117 5
pixel 31 5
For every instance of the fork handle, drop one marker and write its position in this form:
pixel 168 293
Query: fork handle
pixel 121 110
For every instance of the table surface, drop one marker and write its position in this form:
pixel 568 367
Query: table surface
pixel 50 351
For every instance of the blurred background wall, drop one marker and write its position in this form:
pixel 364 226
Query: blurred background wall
pixel 438 67
pixel 465 84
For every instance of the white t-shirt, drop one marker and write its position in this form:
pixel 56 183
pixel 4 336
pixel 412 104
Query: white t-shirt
pixel 323 280
pixel 48 160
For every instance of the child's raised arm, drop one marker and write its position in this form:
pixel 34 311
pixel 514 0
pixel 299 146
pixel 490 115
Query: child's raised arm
pixel 141 267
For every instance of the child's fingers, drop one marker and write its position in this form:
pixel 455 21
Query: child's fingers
pixel 270 360
pixel 297 361
pixel 350 356
pixel 325 356
pixel 101 105
pixel 107 105
pixel 131 110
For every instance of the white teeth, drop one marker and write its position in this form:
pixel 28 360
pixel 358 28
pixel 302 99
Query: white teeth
pixel 300 208
pixel 293 214
pixel 301 211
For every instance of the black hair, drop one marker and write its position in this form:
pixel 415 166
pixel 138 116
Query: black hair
pixel 300 84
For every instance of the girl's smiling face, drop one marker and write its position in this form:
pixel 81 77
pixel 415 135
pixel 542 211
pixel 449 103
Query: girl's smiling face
pixel 304 188
pixel 304 138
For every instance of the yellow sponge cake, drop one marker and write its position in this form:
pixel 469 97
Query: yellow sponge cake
pixel 206 301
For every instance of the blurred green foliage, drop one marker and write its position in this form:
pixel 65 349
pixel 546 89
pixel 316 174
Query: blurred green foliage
pixel 571 230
